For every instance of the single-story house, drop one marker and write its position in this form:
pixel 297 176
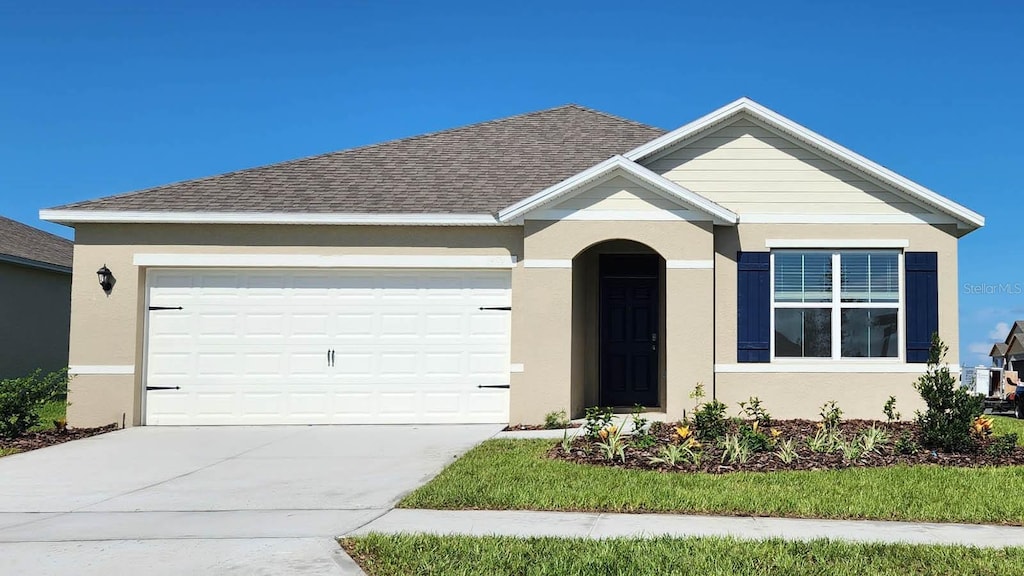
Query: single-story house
pixel 497 272
pixel 35 299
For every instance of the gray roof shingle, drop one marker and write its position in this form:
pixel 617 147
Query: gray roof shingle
pixel 474 169
pixel 27 243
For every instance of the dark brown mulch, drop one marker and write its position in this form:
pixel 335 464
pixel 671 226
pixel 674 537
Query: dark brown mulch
pixel 36 440
pixel 585 451
pixel 518 427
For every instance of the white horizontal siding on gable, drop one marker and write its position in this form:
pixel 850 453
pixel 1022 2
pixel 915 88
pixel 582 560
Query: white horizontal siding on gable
pixel 752 170
pixel 617 194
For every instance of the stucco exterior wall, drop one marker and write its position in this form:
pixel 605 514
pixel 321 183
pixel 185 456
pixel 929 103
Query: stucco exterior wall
pixel 35 312
pixel 801 395
pixel 699 306
pixel 542 320
pixel 860 395
pixel 108 331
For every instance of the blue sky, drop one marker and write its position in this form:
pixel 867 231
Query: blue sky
pixel 98 98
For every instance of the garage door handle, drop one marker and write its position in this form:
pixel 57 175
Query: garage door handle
pixel 163 387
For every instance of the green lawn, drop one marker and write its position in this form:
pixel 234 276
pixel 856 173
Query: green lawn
pixel 514 474
pixel 389 555
pixel 1007 424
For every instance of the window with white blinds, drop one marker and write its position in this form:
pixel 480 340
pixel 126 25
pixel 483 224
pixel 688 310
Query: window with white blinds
pixel 869 276
pixel 803 277
pixel 817 313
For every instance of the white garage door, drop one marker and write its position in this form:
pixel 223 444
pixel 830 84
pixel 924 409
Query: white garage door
pixel 327 347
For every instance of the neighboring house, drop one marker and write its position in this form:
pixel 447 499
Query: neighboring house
pixel 35 299
pixel 494 273
pixel 1009 354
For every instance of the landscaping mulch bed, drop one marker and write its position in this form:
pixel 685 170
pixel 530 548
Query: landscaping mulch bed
pixel 519 427
pixel 36 440
pixel 585 451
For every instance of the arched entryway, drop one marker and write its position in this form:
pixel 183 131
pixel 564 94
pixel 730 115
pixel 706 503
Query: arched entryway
pixel 618 316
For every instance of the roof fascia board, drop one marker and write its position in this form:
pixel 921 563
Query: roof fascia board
pixel 29 263
pixel 966 217
pixel 141 217
pixel 633 171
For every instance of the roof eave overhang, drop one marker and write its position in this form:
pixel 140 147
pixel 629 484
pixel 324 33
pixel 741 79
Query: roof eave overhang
pixel 30 263
pixel 717 213
pixel 72 217
pixel 967 220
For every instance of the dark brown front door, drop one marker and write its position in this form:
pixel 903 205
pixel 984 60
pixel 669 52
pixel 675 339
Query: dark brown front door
pixel 629 329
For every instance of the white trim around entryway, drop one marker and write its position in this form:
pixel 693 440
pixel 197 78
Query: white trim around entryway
pixel 89 369
pixel 318 261
pixel 690 264
pixel 544 263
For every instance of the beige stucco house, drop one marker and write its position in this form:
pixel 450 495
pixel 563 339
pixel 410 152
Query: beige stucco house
pixel 35 299
pixel 497 272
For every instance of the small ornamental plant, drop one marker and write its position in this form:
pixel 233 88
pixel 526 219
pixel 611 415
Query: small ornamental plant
pixel 982 426
pixel 951 411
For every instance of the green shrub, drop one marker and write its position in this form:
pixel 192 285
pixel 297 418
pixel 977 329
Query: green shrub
pixel 755 439
pixel 753 410
pixel 950 408
pixel 598 418
pixel 831 415
pixel 890 410
pixel 906 444
pixel 709 420
pixel 21 399
pixel 556 420
pixel 1002 445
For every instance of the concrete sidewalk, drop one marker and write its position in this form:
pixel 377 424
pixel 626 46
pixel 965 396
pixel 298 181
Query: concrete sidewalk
pixel 594 525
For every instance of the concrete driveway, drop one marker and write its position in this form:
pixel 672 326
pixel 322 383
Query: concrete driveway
pixel 227 500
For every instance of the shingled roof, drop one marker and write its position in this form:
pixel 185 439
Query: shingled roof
pixel 475 169
pixel 31 246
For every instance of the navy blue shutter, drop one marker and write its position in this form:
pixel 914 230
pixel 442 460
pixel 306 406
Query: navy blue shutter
pixel 922 302
pixel 753 307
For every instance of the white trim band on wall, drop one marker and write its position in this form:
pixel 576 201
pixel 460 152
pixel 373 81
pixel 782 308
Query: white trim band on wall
pixel 77 369
pixel 825 368
pixel 542 263
pixel 837 243
pixel 516 368
pixel 318 261
pixel 690 264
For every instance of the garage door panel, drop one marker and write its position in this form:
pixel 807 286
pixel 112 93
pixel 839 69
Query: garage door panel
pixel 252 347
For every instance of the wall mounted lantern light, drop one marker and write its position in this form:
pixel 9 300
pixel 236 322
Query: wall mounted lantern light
pixel 106 278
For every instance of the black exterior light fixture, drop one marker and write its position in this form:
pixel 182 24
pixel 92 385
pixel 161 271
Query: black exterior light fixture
pixel 106 279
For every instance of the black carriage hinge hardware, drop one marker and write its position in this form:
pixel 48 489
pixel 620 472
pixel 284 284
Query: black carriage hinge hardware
pixel 163 387
pixel 166 308
pixel 493 386
pixel 496 308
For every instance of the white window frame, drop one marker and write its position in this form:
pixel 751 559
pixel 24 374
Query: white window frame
pixel 837 305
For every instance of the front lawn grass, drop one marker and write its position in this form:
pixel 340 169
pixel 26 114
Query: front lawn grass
pixel 1008 425
pixel 462 556
pixel 515 475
